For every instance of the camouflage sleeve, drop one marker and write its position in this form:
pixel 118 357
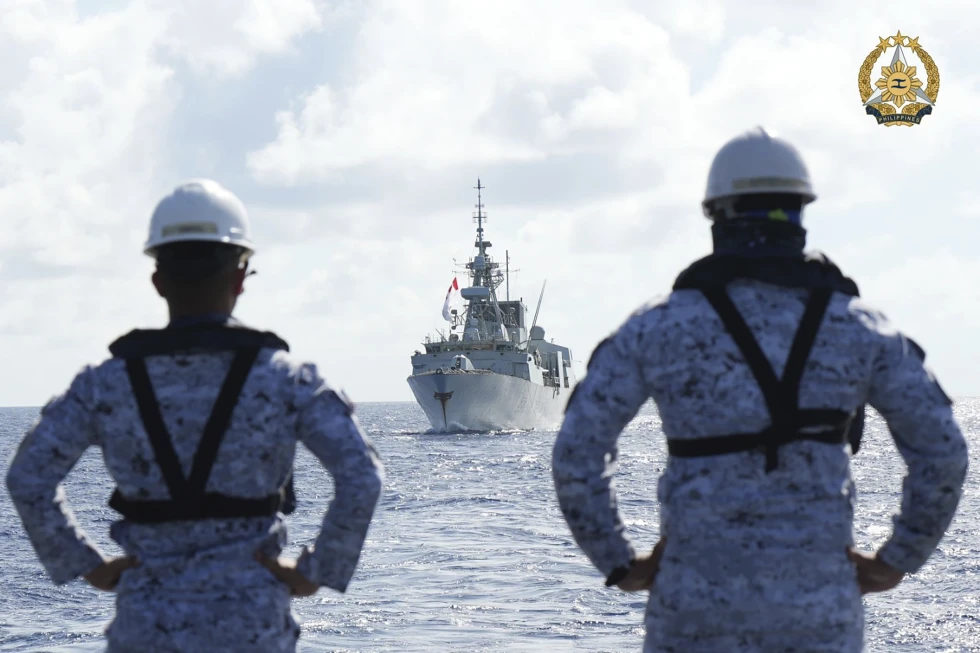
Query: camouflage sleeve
pixel 585 454
pixel 920 417
pixel 329 429
pixel 48 452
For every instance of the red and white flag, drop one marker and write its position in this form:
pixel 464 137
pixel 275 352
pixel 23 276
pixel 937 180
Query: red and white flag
pixel 453 300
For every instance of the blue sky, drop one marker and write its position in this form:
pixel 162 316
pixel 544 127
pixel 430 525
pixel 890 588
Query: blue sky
pixel 354 132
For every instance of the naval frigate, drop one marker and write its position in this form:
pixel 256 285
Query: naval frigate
pixel 491 372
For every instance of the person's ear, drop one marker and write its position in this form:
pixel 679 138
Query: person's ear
pixel 158 283
pixel 240 275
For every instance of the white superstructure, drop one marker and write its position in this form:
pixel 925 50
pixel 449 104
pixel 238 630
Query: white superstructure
pixel 492 371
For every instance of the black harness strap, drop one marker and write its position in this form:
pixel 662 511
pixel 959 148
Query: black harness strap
pixel 788 423
pixel 208 506
pixel 744 340
pixel 217 426
pixel 189 500
pixel 163 450
pixel 724 444
pixel 806 336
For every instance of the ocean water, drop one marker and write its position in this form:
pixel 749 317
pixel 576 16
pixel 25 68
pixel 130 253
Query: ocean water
pixel 468 551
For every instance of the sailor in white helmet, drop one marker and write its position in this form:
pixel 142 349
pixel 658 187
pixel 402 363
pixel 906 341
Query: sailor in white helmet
pixel 760 363
pixel 198 424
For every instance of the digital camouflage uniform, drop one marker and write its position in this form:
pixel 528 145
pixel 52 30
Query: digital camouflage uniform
pixel 198 587
pixel 755 561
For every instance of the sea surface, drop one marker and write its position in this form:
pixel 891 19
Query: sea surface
pixel 468 551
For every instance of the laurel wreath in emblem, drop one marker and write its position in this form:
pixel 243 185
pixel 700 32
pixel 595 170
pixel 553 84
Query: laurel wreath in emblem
pixel 932 75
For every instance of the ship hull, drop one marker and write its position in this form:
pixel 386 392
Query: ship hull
pixel 487 402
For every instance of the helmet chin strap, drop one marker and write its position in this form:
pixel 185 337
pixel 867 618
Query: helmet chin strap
pixel 755 237
pixel 241 288
pixel 778 215
pixel 769 207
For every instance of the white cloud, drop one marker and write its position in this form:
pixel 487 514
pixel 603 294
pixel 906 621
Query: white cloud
pixel 968 206
pixel 84 116
pixel 87 102
pixel 226 37
pixel 510 82
pixel 592 124
pixel 699 19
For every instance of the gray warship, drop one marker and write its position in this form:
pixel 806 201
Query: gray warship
pixel 491 372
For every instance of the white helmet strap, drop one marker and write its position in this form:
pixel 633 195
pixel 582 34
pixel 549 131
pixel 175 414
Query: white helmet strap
pixel 778 207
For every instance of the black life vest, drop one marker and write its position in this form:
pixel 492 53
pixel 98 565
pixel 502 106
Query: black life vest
pixel 188 498
pixel 789 423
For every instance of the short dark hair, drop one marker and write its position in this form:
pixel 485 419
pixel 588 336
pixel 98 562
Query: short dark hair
pixel 196 261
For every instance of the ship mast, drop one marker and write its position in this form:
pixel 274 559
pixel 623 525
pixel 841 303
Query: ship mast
pixel 481 246
pixel 485 273
pixel 479 216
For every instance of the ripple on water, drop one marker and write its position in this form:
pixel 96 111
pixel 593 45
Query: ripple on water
pixel 469 551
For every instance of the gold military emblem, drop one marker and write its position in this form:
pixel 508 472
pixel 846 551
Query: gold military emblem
pixel 899 96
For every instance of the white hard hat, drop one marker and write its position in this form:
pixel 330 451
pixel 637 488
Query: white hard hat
pixel 200 210
pixel 757 162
